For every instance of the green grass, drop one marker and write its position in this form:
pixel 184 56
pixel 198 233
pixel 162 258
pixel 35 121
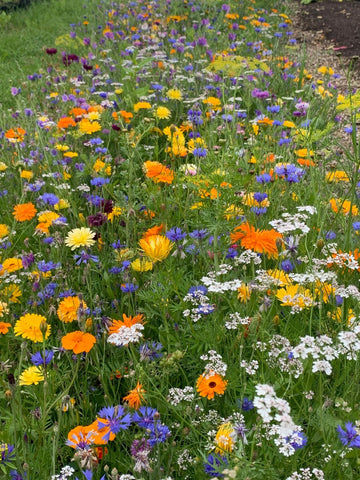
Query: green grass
pixel 25 33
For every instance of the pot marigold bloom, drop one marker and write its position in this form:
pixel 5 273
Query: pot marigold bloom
pixel 295 296
pixel 162 113
pixel 344 206
pixel 31 376
pixel 244 293
pixel 4 327
pixel 15 135
pixel 158 172
pixel 11 293
pixel 78 342
pixel 141 106
pixel 88 127
pixel 141 265
pixel 11 265
pixel 24 211
pixel 156 247
pixel 156 230
pixel 69 307
pixel 32 327
pixel 225 438
pixel 66 122
pixel 174 94
pixel 135 396
pixel 261 241
pixel 80 237
pixel 209 384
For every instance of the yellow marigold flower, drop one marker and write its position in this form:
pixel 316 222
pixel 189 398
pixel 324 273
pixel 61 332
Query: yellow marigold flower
pixel 48 217
pixel 225 438
pixel 26 174
pixel 4 230
pixel 344 206
pixel 337 176
pixel 295 296
pixel 86 126
pixel 174 94
pixel 11 293
pixel 69 308
pixel 71 154
pixel 80 237
pixel 98 165
pixel 3 167
pixel 244 293
pixel 280 277
pixel 156 247
pixel 141 106
pixel 11 265
pixel 33 327
pixel 214 102
pixel 141 265
pixel 31 376
pixel 93 115
pixel 162 113
pixel 62 203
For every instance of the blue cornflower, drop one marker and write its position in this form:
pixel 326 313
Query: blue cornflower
pixel 330 235
pixel 204 309
pixel 299 443
pixel 47 267
pixel 260 196
pixel 213 465
pixel 42 358
pixel 287 266
pixel 264 178
pixel 99 181
pixel 145 417
pixel 175 234
pixel 84 257
pixel 273 108
pixel 129 288
pixel 197 291
pixel 349 437
pixel 49 199
pixel 199 234
pixel 259 210
pixel 247 404
pixel 199 152
pixel 356 226
pixel 7 452
pixel 114 419
pixel 150 352
pixel 158 433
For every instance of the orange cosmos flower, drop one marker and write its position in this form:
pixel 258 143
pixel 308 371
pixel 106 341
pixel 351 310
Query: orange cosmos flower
pixel 135 397
pixel 24 211
pixel 158 172
pixel 68 309
pixel 208 385
pixel 261 241
pixel 156 247
pixel 4 327
pixel 78 342
pixel 126 322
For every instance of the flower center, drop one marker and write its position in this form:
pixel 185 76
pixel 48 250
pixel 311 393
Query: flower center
pixel 212 384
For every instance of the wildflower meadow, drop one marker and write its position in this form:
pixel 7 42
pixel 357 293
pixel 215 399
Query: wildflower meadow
pixel 179 251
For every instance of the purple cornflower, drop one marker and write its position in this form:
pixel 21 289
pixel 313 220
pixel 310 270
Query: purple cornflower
pixel 150 351
pixel 287 266
pixel 158 433
pixel 199 234
pixel 349 437
pixel 84 257
pixel 246 404
pixel 175 234
pixel 263 178
pixel 145 417
pixel 129 288
pixel 42 358
pixel 213 464
pixel 114 419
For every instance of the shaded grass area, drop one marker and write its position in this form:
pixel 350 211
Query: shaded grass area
pixel 26 33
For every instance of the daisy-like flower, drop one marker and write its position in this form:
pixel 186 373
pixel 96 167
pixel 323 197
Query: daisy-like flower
pixel 135 396
pixel 156 247
pixel 78 342
pixel 11 265
pixel 33 327
pixel 80 237
pixel 141 106
pixel 24 211
pixel 260 241
pixel 162 113
pixel 69 308
pixel 127 331
pixel 208 385
pixel 88 127
pixel 225 438
pixel 158 172
pixel 31 376
pixel 174 94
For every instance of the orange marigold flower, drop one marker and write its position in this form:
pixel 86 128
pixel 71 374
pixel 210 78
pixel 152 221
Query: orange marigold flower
pixel 261 241
pixel 209 384
pixel 158 172
pixel 69 307
pixel 156 247
pixel 66 122
pixel 126 322
pixel 78 342
pixel 15 136
pixel 4 327
pixel 135 397
pixel 156 230
pixel 24 211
